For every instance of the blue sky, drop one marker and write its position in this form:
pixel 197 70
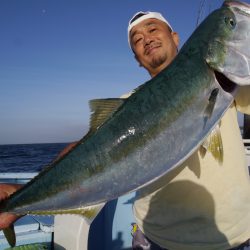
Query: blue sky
pixel 56 55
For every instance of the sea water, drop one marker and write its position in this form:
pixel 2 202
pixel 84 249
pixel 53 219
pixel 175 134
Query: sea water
pixel 28 157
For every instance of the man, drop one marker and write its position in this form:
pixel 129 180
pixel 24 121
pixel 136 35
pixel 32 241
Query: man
pixel 201 204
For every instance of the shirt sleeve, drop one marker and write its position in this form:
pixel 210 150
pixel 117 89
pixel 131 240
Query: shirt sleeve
pixel 242 100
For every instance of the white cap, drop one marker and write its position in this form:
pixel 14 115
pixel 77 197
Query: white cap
pixel 141 16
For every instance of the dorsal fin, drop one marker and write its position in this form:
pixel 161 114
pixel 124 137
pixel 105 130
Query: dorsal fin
pixel 102 109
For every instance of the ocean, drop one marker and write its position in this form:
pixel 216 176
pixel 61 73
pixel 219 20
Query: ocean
pixel 28 157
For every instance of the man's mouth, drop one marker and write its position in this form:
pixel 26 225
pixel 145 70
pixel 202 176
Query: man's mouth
pixel 151 48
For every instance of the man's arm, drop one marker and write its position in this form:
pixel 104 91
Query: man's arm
pixel 66 150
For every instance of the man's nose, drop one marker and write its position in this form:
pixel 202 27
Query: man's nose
pixel 148 39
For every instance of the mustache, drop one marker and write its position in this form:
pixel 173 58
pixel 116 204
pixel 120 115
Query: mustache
pixel 150 46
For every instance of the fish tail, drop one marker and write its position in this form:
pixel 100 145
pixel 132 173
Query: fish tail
pixel 10 235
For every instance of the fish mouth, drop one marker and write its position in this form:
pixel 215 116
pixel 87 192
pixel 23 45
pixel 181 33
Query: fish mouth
pixel 236 64
pixel 225 83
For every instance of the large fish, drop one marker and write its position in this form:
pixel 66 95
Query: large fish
pixel 134 141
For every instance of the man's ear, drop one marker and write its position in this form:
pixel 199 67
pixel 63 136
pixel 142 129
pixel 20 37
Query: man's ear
pixel 175 37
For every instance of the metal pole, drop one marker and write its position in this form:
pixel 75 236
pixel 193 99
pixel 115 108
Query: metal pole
pixel 246 127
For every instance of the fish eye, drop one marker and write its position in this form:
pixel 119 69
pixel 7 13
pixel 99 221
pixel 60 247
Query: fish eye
pixel 230 22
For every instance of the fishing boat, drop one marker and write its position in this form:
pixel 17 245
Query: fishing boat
pixel 110 229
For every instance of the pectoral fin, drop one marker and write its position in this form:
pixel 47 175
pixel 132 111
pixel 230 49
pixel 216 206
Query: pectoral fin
pixel 210 106
pixel 10 235
pixel 213 144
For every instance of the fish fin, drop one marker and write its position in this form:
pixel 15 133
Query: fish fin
pixel 127 95
pixel 213 144
pixel 211 103
pixel 10 235
pixel 102 109
pixel 89 212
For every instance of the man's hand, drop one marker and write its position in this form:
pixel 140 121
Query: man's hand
pixel 7 219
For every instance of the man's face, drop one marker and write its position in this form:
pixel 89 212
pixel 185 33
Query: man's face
pixel 154 45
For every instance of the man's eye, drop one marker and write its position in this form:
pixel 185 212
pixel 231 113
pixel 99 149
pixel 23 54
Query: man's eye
pixel 152 30
pixel 137 40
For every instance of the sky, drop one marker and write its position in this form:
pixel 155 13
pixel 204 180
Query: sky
pixel 56 55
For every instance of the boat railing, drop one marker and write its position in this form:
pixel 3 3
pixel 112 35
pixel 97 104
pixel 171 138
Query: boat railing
pixel 247 150
pixel 17 178
pixel 246 142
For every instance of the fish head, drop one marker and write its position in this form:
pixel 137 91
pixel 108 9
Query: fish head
pixel 228 50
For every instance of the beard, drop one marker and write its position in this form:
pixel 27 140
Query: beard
pixel 158 60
